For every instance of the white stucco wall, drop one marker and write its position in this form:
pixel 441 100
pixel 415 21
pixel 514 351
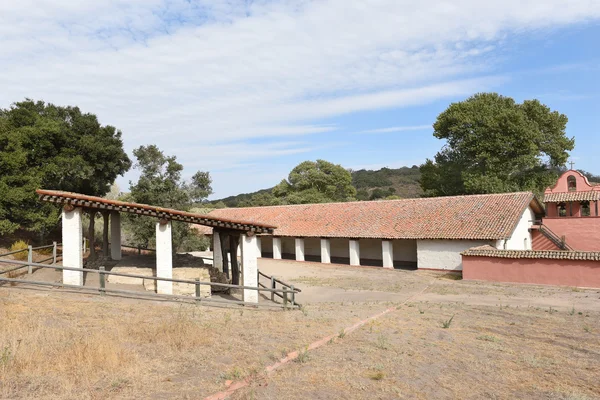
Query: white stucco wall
pixel 521 237
pixel 444 254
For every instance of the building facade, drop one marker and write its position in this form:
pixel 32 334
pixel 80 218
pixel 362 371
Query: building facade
pixel 425 233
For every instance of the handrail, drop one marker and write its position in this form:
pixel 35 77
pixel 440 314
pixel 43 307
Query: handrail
pixel 13 252
pixel 553 237
pixel 147 277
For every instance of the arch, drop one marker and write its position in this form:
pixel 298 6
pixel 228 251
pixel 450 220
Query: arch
pixel 572 183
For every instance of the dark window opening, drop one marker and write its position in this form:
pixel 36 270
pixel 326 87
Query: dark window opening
pixel 572 183
pixel 585 209
pixel 562 210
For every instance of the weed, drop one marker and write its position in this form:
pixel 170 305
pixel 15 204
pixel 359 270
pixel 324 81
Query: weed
pixel 377 375
pixel 233 374
pixel 303 356
pixel 488 338
pixel 382 342
pixel 587 329
pixel 227 318
pixel 5 355
pixel 304 310
pixel 572 312
pixel 446 324
pixel 19 245
pixel 342 333
pixel 421 311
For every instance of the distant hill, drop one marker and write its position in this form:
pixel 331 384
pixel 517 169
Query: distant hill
pixel 370 185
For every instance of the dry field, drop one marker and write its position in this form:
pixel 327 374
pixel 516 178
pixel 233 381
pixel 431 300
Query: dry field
pixel 446 339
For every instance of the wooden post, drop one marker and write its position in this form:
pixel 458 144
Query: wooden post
pixel 198 290
pixel 223 237
pixel 102 278
pixel 293 296
pixel 234 242
pixel 91 234
pixel 29 259
pixel 285 298
pixel 105 236
pixel 54 252
pixel 273 284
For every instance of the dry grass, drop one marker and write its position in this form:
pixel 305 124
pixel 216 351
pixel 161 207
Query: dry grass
pixel 74 346
pixel 488 352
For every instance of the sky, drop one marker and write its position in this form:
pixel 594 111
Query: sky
pixel 249 89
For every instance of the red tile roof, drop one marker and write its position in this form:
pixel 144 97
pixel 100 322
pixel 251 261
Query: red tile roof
pixel 590 195
pixel 478 217
pixel 489 251
pixel 100 203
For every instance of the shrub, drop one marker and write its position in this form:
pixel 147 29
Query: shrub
pixel 19 245
pixel 194 242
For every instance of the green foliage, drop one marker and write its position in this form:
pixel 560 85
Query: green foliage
pixel 495 145
pixel 316 182
pixel 46 146
pixel 19 245
pixel 261 199
pixel 161 184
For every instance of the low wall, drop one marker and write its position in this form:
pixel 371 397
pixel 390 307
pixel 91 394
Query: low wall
pixel 580 273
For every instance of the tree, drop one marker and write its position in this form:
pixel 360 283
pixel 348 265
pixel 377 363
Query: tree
pixel 161 184
pixel 494 145
pixel 261 199
pixel 52 147
pixel 316 182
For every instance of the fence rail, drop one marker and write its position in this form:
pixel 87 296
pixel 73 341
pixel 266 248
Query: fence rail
pixel 284 295
pixel 283 292
pixel 30 249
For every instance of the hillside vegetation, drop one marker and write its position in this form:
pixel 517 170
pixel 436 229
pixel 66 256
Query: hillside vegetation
pixel 370 185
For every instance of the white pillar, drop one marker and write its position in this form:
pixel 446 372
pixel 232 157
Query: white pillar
pixel 72 235
pixel 276 248
pixel 249 268
pixel 354 252
pixel 325 251
pixel 387 253
pixel 164 258
pixel 299 249
pixel 258 247
pixel 217 251
pixel 115 236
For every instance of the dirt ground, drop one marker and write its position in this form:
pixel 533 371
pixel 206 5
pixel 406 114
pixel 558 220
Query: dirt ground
pixel 447 339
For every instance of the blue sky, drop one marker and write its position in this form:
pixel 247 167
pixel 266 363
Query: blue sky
pixel 248 89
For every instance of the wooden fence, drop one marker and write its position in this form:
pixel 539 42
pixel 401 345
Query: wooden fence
pixel 284 285
pixel 284 292
pixel 30 249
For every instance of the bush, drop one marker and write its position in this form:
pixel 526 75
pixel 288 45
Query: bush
pixel 194 242
pixel 19 245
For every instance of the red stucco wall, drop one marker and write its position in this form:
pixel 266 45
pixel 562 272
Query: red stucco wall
pixel 538 271
pixel 541 242
pixel 580 233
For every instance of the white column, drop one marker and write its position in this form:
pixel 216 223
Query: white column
pixel 115 236
pixel 258 247
pixel 249 268
pixel 299 249
pixel 72 235
pixel 387 253
pixel 276 248
pixel 164 257
pixel 354 252
pixel 217 251
pixel 325 251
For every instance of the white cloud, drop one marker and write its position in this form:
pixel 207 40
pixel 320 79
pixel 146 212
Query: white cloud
pixel 394 129
pixel 196 73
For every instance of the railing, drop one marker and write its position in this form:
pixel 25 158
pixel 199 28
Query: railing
pixel 273 285
pixel 553 237
pixel 102 289
pixel 30 249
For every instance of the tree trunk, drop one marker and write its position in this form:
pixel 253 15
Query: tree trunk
pixel 91 234
pixel 223 236
pixel 105 253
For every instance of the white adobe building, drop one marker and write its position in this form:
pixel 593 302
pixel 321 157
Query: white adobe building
pixel 424 233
